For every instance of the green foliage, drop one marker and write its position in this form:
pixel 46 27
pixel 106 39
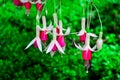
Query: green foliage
pixel 17 30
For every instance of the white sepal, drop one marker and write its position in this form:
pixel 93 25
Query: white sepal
pixel 67 31
pixel 50 27
pixel 59 47
pixel 81 32
pixel 78 46
pixel 39 44
pixel 50 46
pixel 91 34
pixel 32 42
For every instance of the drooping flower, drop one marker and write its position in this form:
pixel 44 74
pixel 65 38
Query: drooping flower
pixel 60 37
pixel 87 50
pixel 27 5
pixel 54 45
pixel 39 5
pixel 82 33
pixel 45 30
pixel 18 3
pixel 36 41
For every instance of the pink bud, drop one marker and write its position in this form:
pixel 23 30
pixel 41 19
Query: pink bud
pixel 39 6
pixel 35 44
pixel 87 54
pixel 83 37
pixel 61 40
pixel 99 44
pixel 54 48
pixel 43 35
pixel 18 3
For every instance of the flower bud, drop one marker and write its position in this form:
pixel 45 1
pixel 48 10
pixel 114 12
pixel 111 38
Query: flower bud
pixel 99 44
pixel 99 41
pixel 27 6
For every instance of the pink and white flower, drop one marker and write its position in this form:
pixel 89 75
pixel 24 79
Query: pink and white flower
pixel 54 45
pixel 87 50
pixel 60 37
pixel 45 30
pixel 36 41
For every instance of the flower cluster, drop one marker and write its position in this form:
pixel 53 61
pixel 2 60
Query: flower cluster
pixel 57 43
pixel 28 4
pixel 58 33
pixel 86 49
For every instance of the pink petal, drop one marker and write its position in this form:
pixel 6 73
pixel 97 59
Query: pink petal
pixel 43 35
pixel 87 54
pixel 83 37
pixel 61 41
pixel 54 48
pixel 18 3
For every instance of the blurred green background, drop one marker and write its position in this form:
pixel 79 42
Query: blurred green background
pixel 17 30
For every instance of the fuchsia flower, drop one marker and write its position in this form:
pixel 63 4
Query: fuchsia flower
pixel 18 3
pixel 27 6
pixel 39 5
pixel 59 30
pixel 82 32
pixel 54 45
pixel 60 37
pixel 87 50
pixel 36 41
pixel 45 30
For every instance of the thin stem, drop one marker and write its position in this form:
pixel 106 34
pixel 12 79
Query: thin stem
pixel 98 17
pixel 54 6
pixel 43 8
pixel 60 9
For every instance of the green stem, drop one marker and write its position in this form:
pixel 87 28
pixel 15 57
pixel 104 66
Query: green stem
pixel 60 10
pixel 99 17
pixel 54 6
pixel 43 8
